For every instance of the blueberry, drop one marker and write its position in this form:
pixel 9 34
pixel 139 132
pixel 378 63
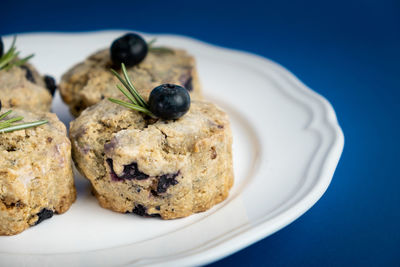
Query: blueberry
pixel 129 49
pixel 1 47
pixel 139 210
pixel 169 101
pixel 131 171
pixel 142 211
pixel 43 215
pixel 165 181
pixel 50 84
pixel 28 74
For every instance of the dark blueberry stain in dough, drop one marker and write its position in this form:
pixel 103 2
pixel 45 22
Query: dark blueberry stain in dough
pixel 188 84
pixel 86 150
pixel 110 146
pixel 165 181
pixel 11 149
pixel 187 80
pixel 142 211
pixel 130 172
pixel 139 210
pixel 44 214
pixel 17 204
pixel 50 84
pixel 154 193
pixel 28 73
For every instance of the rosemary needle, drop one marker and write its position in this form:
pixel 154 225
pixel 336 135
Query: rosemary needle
pixel 10 58
pixel 8 125
pixel 137 102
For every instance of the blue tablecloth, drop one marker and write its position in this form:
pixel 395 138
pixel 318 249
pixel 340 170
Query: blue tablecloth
pixel 348 51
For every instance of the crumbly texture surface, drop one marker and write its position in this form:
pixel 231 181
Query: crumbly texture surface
pixel 89 82
pixel 157 168
pixel 36 177
pixel 23 87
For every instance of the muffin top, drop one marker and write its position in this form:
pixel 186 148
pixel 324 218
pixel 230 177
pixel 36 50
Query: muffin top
pixel 89 82
pixel 25 148
pixel 23 87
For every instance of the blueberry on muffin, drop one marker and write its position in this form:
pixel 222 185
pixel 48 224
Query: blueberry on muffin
pixel 90 81
pixel 169 157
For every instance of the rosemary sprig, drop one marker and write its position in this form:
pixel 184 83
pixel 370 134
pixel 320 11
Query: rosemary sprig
pixel 8 125
pixel 158 49
pixel 22 126
pixel 10 58
pixel 131 93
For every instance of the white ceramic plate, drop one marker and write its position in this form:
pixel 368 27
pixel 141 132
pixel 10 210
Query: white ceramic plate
pixel 287 143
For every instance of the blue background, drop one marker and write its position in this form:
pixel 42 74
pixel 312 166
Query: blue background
pixel 348 51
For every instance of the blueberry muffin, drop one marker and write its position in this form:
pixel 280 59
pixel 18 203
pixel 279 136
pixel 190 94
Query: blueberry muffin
pixel 22 86
pixel 36 177
pixel 154 167
pixel 89 82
